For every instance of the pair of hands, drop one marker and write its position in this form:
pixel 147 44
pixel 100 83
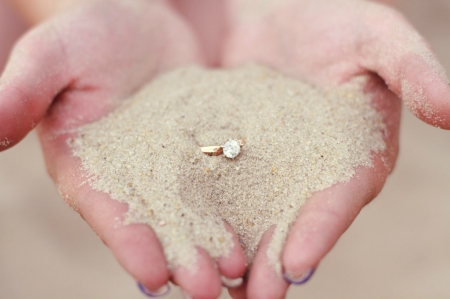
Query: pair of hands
pixel 77 66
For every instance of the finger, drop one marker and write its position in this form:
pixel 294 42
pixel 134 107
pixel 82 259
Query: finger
pixel 263 281
pixel 136 246
pixel 395 51
pixel 325 217
pixel 201 282
pixel 34 75
pixel 233 266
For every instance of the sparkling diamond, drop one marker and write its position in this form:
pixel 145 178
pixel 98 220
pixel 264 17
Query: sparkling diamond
pixel 231 149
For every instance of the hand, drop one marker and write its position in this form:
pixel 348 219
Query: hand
pixel 327 43
pixel 72 70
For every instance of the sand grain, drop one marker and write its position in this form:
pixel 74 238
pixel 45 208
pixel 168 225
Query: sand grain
pixel 299 140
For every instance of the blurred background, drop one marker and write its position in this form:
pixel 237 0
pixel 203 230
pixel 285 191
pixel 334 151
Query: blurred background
pixel 399 246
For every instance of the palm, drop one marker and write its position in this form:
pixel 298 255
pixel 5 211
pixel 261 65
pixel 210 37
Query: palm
pixel 328 43
pixel 84 63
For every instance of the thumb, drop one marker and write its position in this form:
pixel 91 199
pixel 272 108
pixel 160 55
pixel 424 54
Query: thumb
pixel 403 59
pixel 35 73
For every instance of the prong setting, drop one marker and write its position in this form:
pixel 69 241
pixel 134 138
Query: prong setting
pixel 231 149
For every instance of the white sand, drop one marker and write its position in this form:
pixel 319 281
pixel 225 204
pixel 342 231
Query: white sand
pixel 299 140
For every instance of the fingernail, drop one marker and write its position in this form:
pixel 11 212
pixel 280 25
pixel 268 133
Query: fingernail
pixel 231 283
pixel 186 295
pixel 299 279
pixel 162 291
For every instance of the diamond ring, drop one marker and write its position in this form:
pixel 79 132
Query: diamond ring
pixel 230 149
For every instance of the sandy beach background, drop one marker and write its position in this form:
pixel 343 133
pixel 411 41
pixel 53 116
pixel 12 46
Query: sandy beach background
pixel 399 246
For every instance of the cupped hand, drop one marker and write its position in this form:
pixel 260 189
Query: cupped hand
pixel 327 43
pixel 73 69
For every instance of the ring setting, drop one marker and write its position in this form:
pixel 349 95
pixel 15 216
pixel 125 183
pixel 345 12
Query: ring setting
pixel 231 149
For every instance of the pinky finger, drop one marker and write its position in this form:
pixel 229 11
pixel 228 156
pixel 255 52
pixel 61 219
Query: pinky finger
pixel 324 218
pixel 264 281
pixel 233 266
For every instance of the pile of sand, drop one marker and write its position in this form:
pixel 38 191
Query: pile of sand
pixel 299 140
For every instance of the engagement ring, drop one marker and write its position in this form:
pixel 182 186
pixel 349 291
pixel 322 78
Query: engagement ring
pixel 230 149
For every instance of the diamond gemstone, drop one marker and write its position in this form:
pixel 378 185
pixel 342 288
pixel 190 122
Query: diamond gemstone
pixel 231 149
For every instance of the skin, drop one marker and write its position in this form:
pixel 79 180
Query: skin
pixel 327 43
pixel 75 67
